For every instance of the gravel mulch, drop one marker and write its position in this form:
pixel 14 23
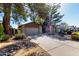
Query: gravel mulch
pixel 22 49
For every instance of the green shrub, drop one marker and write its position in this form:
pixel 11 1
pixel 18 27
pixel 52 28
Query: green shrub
pixel 1 29
pixel 19 36
pixel 20 29
pixel 75 35
pixel 4 37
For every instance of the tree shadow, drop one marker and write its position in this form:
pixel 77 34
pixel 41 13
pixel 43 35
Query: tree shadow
pixel 58 37
pixel 36 36
pixel 76 40
pixel 62 38
pixel 8 50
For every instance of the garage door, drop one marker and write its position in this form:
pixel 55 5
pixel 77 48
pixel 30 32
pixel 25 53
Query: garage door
pixel 31 31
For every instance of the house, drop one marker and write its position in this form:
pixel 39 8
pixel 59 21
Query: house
pixel 31 28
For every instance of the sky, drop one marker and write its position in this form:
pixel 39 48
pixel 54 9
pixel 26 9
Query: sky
pixel 70 11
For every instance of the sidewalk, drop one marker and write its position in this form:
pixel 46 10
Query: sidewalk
pixel 57 47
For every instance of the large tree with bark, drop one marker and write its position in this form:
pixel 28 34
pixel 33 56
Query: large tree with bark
pixel 8 9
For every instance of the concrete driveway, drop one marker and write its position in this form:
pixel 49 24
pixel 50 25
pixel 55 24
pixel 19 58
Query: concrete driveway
pixel 57 47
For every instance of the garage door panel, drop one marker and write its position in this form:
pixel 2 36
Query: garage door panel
pixel 31 31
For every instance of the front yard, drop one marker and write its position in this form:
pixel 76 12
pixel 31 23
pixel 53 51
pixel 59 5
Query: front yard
pixel 39 45
pixel 21 48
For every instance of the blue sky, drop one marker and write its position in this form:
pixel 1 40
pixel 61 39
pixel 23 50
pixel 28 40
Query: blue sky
pixel 70 11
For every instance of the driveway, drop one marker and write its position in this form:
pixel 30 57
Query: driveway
pixel 57 47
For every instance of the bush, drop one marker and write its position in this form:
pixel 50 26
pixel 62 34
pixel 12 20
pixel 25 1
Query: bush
pixel 75 35
pixel 4 37
pixel 1 29
pixel 19 37
pixel 20 29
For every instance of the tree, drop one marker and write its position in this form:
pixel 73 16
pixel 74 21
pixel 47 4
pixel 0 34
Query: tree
pixel 6 18
pixel 54 16
pixel 38 13
pixel 48 13
pixel 7 9
pixel 39 20
pixel 38 10
pixel 64 26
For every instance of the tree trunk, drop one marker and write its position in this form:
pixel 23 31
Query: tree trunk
pixel 6 18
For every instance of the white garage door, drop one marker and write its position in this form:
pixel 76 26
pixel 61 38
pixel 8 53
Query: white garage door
pixel 31 31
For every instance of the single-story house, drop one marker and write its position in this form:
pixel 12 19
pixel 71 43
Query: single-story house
pixel 31 28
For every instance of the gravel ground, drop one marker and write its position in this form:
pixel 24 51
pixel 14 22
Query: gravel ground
pixel 22 49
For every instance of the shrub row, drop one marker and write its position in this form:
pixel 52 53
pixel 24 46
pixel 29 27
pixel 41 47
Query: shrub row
pixel 4 37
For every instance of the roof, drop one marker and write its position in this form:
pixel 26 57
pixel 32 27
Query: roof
pixel 27 23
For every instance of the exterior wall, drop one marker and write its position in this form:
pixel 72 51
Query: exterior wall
pixel 40 29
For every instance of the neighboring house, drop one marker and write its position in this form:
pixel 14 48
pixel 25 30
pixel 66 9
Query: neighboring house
pixel 31 28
